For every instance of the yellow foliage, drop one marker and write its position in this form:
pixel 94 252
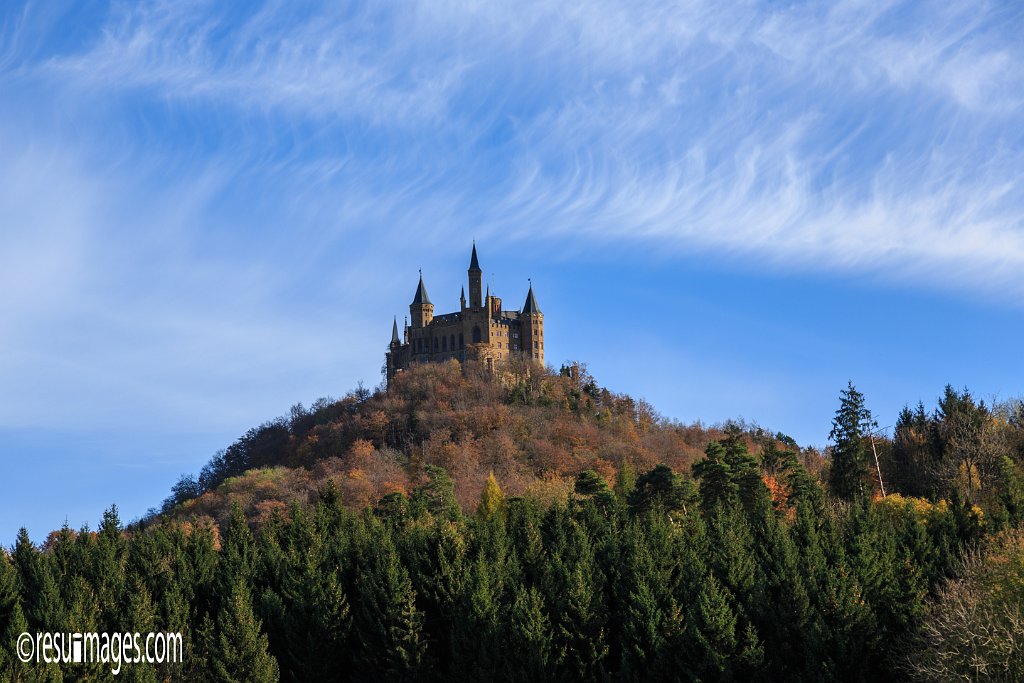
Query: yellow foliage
pixel 492 500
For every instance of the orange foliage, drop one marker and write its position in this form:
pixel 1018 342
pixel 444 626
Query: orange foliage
pixel 534 429
pixel 780 496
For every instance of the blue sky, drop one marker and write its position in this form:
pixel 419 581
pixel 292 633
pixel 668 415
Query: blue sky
pixel 210 211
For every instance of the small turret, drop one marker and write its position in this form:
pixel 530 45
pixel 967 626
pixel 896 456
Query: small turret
pixel 395 341
pixel 531 303
pixel 533 328
pixel 421 310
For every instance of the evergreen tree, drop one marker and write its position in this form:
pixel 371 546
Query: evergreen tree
pixel 849 474
pixel 660 488
pixel 11 666
pixel 716 487
pixel 437 495
pixel 389 624
pixel 237 554
pixel 240 651
pixel 528 638
pixel 589 484
pixel 625 480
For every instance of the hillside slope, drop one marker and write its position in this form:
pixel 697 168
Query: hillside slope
pixel 533 428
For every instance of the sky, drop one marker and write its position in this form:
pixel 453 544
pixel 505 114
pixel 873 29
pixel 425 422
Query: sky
pixel 210 211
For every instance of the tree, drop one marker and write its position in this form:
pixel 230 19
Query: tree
pixel 11 666
pixel 492 500
pixel 437 495
pixel 590 484
pixel 625 480
pixel 528 634
pixel 389 624
pixel 850 468
pixel 659 488
pixel 240 652
pixel 237 555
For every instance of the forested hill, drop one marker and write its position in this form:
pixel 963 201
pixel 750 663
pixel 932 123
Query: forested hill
pixel 535 430
pixel 530 526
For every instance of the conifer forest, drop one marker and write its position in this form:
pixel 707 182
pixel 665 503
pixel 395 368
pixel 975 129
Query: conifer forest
pixel 529 525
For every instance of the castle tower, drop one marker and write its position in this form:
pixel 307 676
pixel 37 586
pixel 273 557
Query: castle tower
pixel 475 281
pixel 394 351
pixel 533 328
pixel 421 311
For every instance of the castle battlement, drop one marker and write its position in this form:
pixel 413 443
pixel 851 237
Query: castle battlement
pixel 480 330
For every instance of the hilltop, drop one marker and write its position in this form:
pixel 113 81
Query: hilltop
pixel 534 428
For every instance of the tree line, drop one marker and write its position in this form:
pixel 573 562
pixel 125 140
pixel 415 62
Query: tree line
pixel 658 576
pixel 756 560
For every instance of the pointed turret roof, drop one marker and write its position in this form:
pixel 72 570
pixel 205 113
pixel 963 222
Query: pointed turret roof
pixel 531 302
pixel 421 293
pixel 474 264
pixel 394 332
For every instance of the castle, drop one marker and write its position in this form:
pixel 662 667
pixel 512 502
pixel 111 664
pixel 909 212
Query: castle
pixel 480 331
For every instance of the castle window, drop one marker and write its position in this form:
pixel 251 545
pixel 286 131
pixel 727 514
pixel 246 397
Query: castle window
pixel 444 343
pixel 499 345
pixel 453 342
pixel 476 334
pixel 460 340
pixel 536 345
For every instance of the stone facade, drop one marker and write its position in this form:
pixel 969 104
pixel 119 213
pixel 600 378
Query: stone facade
pixel 480 330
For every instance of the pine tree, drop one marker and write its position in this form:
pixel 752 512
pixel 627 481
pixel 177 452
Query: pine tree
pixel 625 480
pixel 476 643
pixel 389 624
pixel 11 666
pixel 240 652
pixel 237 555
pixel 717 486
pixel 660 489
pixel 581 627
pixel 849 474
pixel 714 625
pixel 436 496
pixel 528 638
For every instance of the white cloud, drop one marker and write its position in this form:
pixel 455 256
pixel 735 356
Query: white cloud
pixel 871 137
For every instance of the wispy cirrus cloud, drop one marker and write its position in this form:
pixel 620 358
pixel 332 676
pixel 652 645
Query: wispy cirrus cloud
pixel 196 194
pixel 852 135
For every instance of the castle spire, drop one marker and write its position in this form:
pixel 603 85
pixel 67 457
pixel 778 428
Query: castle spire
pixel 474 264
pixel 421 293
pixel 394 332
pixel 475 278
pixel 531 302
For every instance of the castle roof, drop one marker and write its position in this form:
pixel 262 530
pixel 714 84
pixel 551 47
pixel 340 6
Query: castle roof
pixel 531 303
pixel 394 332
pixel 421 294
pixel 474 264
